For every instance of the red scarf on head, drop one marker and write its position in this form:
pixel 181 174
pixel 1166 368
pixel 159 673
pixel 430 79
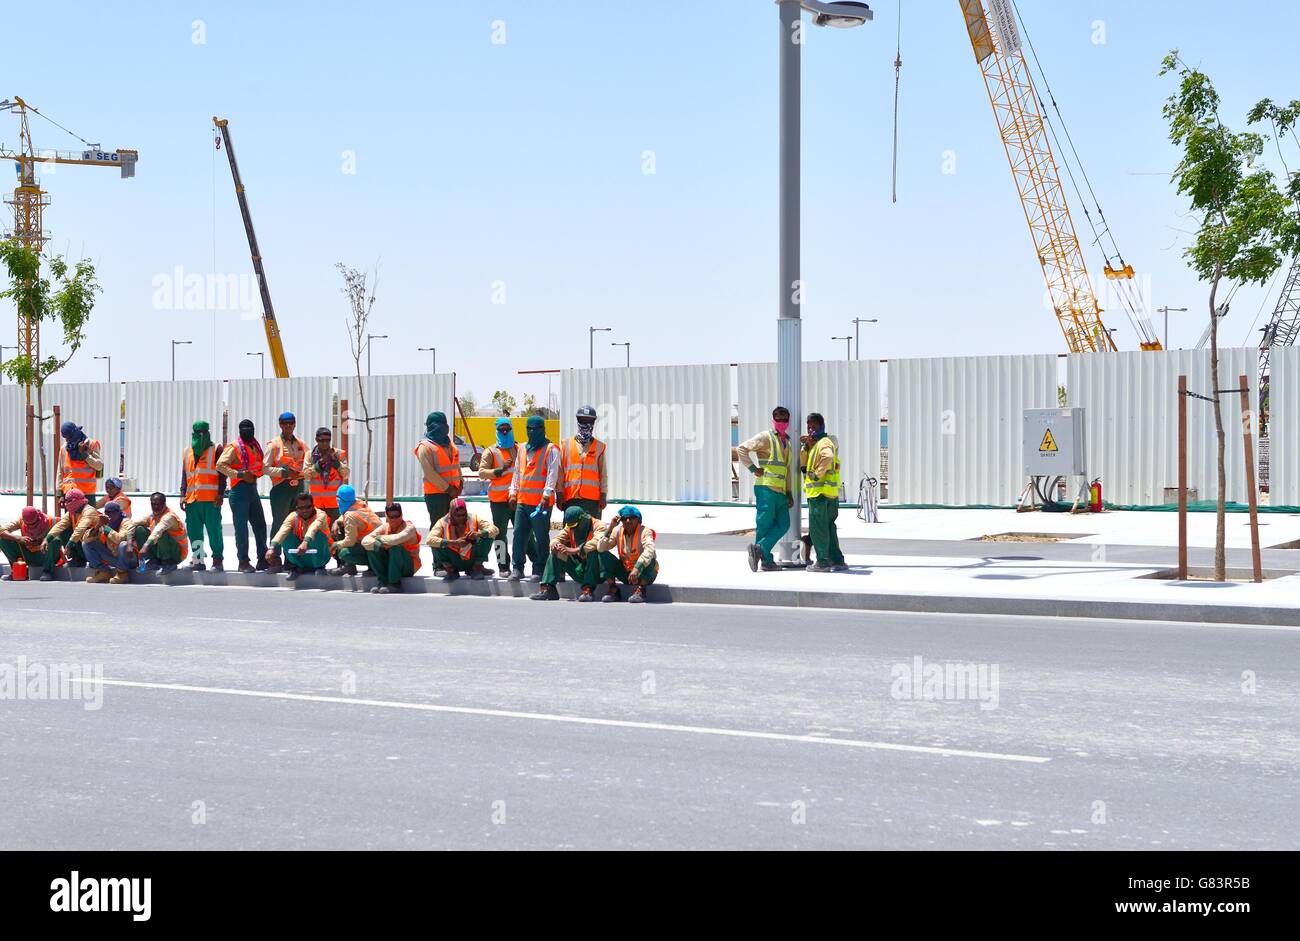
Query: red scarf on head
pixel 243 450
pixel 38 529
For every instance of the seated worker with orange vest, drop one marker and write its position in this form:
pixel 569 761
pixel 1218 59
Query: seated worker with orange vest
pixel 585 479
pixel 461 542
pixel 440 464
pixel 574 553
pixel 326 470
pixel 242 463
pixel 113 555
pixel 161 536
pixel 635 563
pixel 203 488
pixel 532 496
pixel 81 466
pixel 305 536
pixel 78 525
pixel 22 539
pixel 393 550
pixel 113 492
pixel 356 521
pixel 497 467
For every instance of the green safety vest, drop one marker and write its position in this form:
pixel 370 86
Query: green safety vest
pixel 774 472
pixel 828 486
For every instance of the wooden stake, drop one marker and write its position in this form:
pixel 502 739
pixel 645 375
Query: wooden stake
pixel 1248 438
pixel 1182 478
pixel 31 452
pixel 392 440
pixel 343 424
pixel 58 456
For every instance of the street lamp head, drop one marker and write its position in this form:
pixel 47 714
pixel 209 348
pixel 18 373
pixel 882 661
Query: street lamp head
pixel 844 14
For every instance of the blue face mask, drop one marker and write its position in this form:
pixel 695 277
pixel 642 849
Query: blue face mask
pixel 505 436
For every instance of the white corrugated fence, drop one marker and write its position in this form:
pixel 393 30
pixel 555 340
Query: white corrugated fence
pixel 1284 427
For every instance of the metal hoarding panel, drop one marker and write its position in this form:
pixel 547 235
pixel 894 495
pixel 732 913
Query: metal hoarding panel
pixel 1284 427
pixel 96 407
pixel 415 397
pixel 310 398
pixel 158 420
pixel 13 437
pixel 668 429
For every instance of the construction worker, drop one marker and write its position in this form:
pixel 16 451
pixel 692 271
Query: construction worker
pixel 80 462
pixel 356 521
pixel 440 465
pixel 532 497
pixel 574 553
pixel 326 470
pixel 115 551
pixel 393 550
pixel 820 460
pixel 305 536
pixel 161 537
pixel 585 479
pixel 113 492
pixel 461 542
pixel 242 464
pixel 202 490
pixel 285 456
pixel 635 562
pixel 22 539
pixel 497 467
pixel 78 525
pixel 767 457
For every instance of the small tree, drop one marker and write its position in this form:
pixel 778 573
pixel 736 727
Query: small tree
pixel 530 403
pixel 66 299
pixel 468 403
pixel 361 300
pixel 504 402
pixel 1245 223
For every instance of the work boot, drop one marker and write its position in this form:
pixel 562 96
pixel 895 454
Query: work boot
pixel 121 578
pixel 820 567
pixel 479 572
pixel 546 593
pixel 839 567
pixel 246 567
pixel 100 577
pixel 755 556
pixel 76 563
pixel 769 567
pixel 587 594
pixel 638 596
pixel 152 565
pixel 345 569
pixel 292 574
pixel 375 590
pixel 46 576
pixel 449 573
pixel 503 571
pixel 167 569
pixel 613 593
pixel 262 564
pixel 217 566
pixel 393 589
pixel 517 575
pixel 197 566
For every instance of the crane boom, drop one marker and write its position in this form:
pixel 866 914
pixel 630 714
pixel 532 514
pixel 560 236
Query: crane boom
pixel 273 342
pixel 996 43
pixel 1284 326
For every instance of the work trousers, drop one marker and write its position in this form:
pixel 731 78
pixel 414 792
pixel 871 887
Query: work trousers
pixel 204 515
pixel 283 496
pixel 478 555
pixel 585 571
pixel 438 504
pixel 772 519
pixel 502 518
pixel 13 551
pixel 822 512
pixel 532 538
pixel 246 508
pixel 390 566
pixel 613 570
pixel 309 561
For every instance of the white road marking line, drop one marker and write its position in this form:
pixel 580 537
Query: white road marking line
pixel 57 611
pixel 190 617
pixel 651 643
pixel 583 720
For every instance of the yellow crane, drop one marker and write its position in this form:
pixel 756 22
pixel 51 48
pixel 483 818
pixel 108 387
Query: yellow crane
pixel 996 40
pixel 273 342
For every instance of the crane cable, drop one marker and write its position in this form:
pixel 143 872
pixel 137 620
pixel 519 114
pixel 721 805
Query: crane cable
pixel 60 126
pixel 898 70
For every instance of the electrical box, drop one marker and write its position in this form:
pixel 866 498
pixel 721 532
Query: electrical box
pixel 1055 442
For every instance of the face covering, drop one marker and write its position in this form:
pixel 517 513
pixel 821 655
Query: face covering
pixel 505 435
pixel 35 523
pixel 322 454
pixel 73 437
pixel 347 495
pixel 584 431
pixel 782 427
pixel 200 438
pixel 536 433
pixel 247 442
pixel 818 434
pixel 114 513
pixel 74 500
pixel 435 429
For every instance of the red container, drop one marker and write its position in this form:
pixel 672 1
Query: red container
pixel 18 571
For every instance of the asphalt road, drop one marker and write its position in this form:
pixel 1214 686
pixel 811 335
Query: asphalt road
pixel 332 720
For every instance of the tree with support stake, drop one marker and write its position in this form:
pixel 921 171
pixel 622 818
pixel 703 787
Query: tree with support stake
pixel 1246 224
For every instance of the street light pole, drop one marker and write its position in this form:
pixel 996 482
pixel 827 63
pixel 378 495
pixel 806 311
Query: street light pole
pixel 2 356
pixel 176 343
pixel 369 337
pixel 627 348
pixel 110 365
pixel 434 351
pixel 1165 311
pixel 263 358
pixel 591 344
pixel 857 336
pixel 848 347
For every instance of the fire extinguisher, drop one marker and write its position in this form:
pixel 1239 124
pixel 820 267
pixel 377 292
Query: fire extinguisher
pixel 1094 496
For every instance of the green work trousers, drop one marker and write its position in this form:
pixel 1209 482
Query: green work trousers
pixel 501 519
pixel 478 556
pixel 390 566
pixel 246 508
pixel 353 555
pixel 438 505
pixel 283 496
pixel 822 512
pixel 532 539
pixel 308 561
pixel 612 570
pixel 205 515
pixel 592 507
pixel 772 519
pixel 13 551
pixel 165 550
pixel 585 571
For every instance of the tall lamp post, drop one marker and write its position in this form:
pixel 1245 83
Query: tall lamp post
pixel 369 337
pixel 176 343
pixel 591 344
pixel 1165 311
pixel 857 336
pixel 263 358
pixel 110 365
pixel 627 348
pixel 848 346
pixel 789 349
pixel 434 351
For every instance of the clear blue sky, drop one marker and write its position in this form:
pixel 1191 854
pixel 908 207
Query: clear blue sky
pixel 522 163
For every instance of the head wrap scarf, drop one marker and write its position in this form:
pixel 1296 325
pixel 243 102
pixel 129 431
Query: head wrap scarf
pixel 114 482
pixel 247 442
pixel 113 510
pixel 324 460
pixel 347 496
pixel 73 438
pixel 74 500
pixel 35 524
pixel 435 429
pixel 627 511
pixel 506 437
pixel 536 433
pixel 585 428
pixel 200 438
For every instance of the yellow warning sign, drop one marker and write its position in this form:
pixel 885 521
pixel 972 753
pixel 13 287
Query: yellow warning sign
pixel 1049 443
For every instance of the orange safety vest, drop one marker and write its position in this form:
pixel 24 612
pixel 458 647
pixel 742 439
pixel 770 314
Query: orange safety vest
pixel 78 474
pixel 581 470
pixel 470 530
pixel 201 476
pixel 499 487
pixel 446 461
pixel 287 460
pixel 325 491
pixel 412 548
pixel 370 520
pixel 629 552
pixel 121 500
pixel 254 463
pixel 300 527
pixel 177 532
pixel 532 482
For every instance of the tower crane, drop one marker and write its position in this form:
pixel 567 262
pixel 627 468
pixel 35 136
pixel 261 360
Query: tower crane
pixel 273 342
pixel 996 40
pixel 1284 326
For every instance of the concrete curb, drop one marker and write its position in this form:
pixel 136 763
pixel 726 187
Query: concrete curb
pixel 767 597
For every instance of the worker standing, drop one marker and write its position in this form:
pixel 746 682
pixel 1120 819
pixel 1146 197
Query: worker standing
pixel 635 563
pixel 78 525
pixel 80 461
pixel 161 536
pixel 305 536
pixel 461 542
pixel 242 464
pixel 820 460
pixel 202 490
pixel 767 457
pixel 574 553
pixel 586 481
pixel 440 464
pixel 497 467
pixel 113 492
pixel 285 456
pixel 356 521
pixel 393 550
pixel 326 470
pixel 22 539
pixel 532 497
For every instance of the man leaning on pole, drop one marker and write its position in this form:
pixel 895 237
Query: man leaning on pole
pixel 767 457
